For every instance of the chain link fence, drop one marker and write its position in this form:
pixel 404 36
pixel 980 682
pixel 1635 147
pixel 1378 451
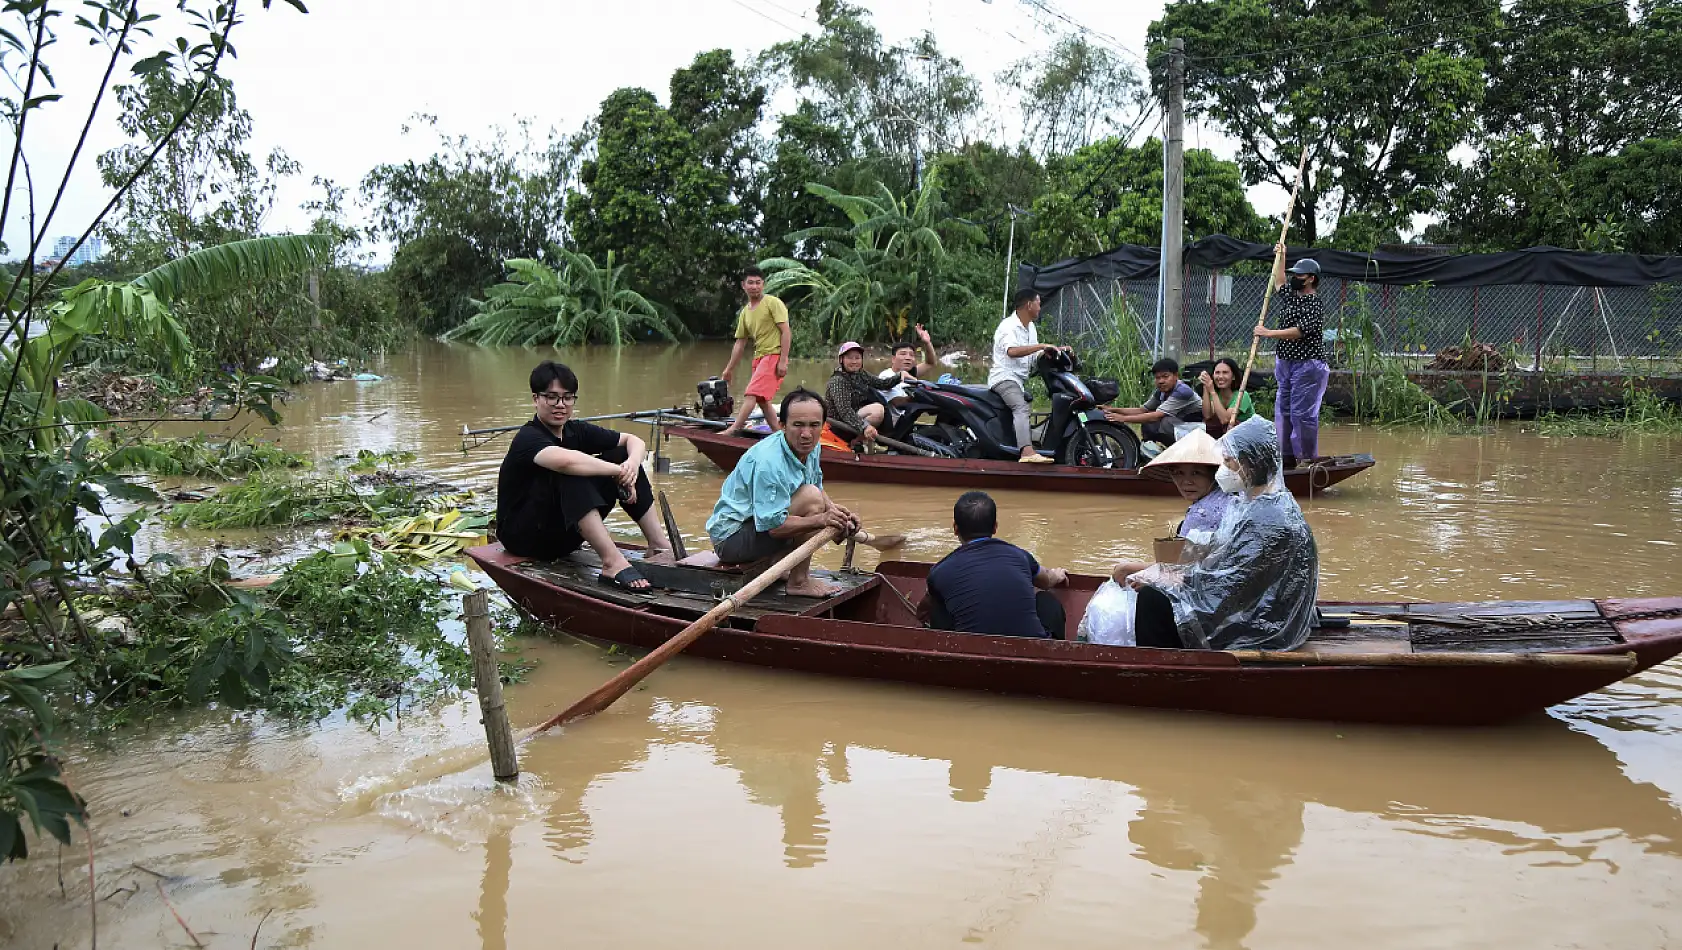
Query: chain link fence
pixel 1588 327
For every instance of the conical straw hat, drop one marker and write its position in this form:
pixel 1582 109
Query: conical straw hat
pixel 1195 448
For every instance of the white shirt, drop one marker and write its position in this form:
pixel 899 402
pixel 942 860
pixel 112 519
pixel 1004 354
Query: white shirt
pixel 1012 332
pixel 898 392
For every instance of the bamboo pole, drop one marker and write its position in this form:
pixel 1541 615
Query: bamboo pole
pixel 1614 663
pixel 605 695
pixel 1278 259
pixel 487 677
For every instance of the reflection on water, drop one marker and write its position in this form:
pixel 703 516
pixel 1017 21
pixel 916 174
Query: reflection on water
pixel 723 806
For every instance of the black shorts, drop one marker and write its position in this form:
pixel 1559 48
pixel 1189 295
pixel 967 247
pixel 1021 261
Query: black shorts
pixel 748 545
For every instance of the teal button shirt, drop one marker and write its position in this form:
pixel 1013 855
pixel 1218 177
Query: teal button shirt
pixel 762 487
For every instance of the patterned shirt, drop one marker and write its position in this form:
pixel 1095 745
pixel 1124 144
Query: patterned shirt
pixel 848 391
pixel 1304 312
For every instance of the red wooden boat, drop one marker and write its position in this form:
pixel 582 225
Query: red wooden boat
pixel 1438 664
pixel 988 474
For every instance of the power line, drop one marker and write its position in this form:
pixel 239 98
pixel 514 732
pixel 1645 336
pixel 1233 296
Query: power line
pixel 1044 6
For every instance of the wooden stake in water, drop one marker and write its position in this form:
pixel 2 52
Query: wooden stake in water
pixel 487 677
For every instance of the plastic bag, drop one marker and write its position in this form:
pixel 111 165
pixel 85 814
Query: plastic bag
pixel 1109 616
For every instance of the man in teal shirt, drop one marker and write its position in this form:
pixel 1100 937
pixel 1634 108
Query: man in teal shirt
pixel 774 499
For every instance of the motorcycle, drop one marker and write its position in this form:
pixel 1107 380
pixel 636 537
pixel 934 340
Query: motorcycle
pixel 957 421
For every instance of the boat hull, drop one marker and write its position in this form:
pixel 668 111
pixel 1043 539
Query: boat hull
pixel 986 474
pixel 888 646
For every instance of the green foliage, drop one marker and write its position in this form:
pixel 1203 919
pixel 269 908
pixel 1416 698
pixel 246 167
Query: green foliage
pixel 1108 194
pixel 1076 94
pixel 1123 356
pixel 884 273
pixel 580 303
pixel 268 499
pixel 458 215
pixel 201 457
pixel 30 782
pixel 1379 108
pixel 336 631
pixel 891 103
pixel 659 196
pixel 1643 412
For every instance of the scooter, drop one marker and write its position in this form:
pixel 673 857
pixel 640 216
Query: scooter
pixel 957 421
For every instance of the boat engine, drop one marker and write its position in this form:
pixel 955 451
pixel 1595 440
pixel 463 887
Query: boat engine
pixel 715 399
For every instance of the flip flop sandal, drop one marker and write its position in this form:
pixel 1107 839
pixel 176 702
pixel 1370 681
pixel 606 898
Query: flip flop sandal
pixel 624 579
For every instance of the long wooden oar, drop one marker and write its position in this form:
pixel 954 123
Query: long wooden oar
pixel 605 695
pixel 1278 259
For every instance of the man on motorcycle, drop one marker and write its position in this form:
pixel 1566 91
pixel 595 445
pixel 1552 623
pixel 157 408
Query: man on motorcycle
pixel 851 395
pixel 1016 345
pixel 1173 403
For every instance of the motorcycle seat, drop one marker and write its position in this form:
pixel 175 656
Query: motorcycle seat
pixel 981 393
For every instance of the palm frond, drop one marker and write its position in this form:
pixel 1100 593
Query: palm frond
pixel 225 267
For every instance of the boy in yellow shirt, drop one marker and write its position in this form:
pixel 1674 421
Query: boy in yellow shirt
pixel 765 322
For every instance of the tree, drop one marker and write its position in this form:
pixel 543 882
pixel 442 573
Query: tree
pixel 458 215
pixel 1379 106
pixel 1585 77
pixel 885 272
pixel 807 149
pixel 1074 95
pixel 580 303
pixel 979 181
pixel 650 197
pixel 202 189
pixel 1108 194
pixel 890 102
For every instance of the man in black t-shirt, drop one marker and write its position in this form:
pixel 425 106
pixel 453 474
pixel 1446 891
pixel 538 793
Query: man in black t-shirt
pixel 991 586
pixel 561 477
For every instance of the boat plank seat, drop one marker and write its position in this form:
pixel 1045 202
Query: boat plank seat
pixel 1508 626
pixel 682 590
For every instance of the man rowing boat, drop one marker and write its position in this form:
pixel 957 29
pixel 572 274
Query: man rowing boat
pixel 774 499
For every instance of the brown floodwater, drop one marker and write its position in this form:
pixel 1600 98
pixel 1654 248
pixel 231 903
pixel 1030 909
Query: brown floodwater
pixel 724 806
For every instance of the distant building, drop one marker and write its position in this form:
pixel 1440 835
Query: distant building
pixel 89 252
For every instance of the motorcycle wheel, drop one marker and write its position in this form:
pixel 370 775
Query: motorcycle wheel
pixel 935 447
pixel 1101 445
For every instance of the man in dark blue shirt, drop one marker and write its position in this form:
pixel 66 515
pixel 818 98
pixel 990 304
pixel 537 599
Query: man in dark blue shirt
pixel 991 586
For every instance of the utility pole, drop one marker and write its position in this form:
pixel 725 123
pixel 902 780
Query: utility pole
pixel 1172 295
pixel 1010 248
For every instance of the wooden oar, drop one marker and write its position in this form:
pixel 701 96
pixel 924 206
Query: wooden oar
pixel 605 695
pixel 1610 663
pixel 1278 259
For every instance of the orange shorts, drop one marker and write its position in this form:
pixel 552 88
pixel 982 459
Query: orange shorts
pixel 765 382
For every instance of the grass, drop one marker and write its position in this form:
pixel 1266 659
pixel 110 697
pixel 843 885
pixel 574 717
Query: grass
pixel 1643 413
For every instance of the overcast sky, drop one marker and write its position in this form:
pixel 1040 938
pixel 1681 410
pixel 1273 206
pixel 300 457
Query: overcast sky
pixel 335 87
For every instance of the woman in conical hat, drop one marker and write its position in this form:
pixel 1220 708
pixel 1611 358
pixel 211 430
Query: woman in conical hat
pixel 1191 462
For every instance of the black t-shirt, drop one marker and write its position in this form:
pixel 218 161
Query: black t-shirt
pixel 1306 313
pixel 522 512
pixel 987 586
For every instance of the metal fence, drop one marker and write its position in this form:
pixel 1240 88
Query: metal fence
pixel 1537 322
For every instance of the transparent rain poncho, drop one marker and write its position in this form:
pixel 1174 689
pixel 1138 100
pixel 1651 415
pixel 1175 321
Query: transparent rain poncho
pixel 1253 586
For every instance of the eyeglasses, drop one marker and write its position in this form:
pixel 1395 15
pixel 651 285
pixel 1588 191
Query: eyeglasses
pixel 555 399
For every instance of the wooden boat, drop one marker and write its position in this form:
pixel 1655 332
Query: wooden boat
pixel 1428 664
pixel 988 474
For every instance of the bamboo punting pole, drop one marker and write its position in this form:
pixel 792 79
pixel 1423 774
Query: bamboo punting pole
pixel 1278 259
pixel 1613 663
pixel 487 678
pixel 605 695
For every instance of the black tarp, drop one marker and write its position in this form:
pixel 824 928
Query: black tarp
pixel 1536 265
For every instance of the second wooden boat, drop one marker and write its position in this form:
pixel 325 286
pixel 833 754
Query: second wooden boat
pixel 986 474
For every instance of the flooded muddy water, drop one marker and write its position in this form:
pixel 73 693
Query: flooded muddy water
pixel 724 806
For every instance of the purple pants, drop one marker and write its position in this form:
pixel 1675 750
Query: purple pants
pixel 1296 411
